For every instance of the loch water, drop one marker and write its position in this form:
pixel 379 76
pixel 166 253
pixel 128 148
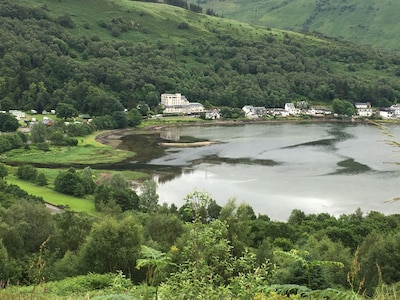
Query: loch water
pixel 330 168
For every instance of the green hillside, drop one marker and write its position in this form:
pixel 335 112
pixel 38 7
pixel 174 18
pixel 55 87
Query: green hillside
pixel 364 22
pixel 103 56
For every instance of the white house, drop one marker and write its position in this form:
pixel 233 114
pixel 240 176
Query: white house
pixel 213 114
pixel 386 113
pixel 318 111
pixel 395 110
pixel 280 112
pixel 249 111
pixel 177 103
pixel 363 109
pixel 291 109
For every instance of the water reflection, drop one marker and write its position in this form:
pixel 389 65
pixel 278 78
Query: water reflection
pixel 333 168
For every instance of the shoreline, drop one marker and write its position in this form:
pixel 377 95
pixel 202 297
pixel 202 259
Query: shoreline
pixel 114 137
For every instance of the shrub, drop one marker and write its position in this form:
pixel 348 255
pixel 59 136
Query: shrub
pixel 43 146
pixel 41 179
pixel 27 172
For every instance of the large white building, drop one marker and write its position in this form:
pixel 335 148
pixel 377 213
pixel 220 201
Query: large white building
pixel 178 104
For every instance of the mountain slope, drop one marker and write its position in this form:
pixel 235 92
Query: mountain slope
pixel 102 56
pixel 369 22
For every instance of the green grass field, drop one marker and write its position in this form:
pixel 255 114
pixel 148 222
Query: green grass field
pixel 88 152
pixel 51 196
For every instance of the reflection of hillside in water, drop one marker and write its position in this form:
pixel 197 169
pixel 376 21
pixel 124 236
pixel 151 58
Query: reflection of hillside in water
pixel 172 133
pixel 145 145
pixel 172 174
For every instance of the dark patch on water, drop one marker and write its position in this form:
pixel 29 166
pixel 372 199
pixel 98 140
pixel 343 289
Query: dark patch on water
pixel 214 159
pixel 350 166
pixel 323 142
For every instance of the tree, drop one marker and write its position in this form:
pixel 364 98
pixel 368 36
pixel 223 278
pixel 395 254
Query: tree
pixel 66 110
pixel 343 107
pixel 134 117
pixel 69 182
pixel 163 230
pixel 3 171
pixel 87 180
pixel 148 199
pixel 8 122
pixel 27 172
pixel 112 245
pixel 41 179
pixel 307 265
pixel 38 133
pixel 120 119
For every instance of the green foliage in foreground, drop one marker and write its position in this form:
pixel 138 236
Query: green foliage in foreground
pixel 199 251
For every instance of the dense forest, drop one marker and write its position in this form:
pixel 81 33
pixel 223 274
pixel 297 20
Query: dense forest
pixel 43 63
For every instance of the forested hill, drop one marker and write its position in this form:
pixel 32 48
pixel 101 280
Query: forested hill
pixel 102 56
pixel 365 22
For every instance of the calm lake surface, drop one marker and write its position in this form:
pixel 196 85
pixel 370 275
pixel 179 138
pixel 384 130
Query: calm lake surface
pixel 315 167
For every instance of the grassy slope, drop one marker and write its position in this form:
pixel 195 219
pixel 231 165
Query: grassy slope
pixel 153 21
pixel 88 152
pixel 51 196
pixel 366 22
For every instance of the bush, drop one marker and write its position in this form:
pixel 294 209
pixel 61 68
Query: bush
pixel 27 172
pixel 43 146
pixel 70 183
pixel 41 179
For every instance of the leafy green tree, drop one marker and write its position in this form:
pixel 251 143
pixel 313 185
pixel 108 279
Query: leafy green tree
pixel 3 171
pixel 27 172
pixel 57 138
pixel 25 226
pixel 120 119
pixel 134 117
pixel 41 179
pixel 163 230
pixel 87 180
pixel 148 199
pixel 8 122
pixel 69 182
pixel 198 207
pixel 66 111
pixel 238 219
pixel 308 266
pixel 127 198
pixel 343 107
pixel 38 133
pixel 72 229
pixel 112 245
pixel 116 189
pixel 117 181
pixel 5 144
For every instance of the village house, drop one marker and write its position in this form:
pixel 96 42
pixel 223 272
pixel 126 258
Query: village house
pixel 178 104
pixel 291 109
pixel 318 111
pixel 254 112
pixel 390 112
pixel 280 112
pixel 363 109
pixel 213 114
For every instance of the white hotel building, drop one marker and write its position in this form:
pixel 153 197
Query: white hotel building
pixel 178 104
